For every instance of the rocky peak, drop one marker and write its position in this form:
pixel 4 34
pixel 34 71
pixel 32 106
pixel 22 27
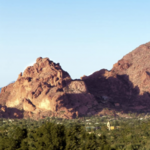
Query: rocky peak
pixel 45 70
pixel 127 83
pixel 46 87
pixel 136 66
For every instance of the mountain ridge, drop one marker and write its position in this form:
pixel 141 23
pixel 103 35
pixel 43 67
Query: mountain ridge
pixel 45 89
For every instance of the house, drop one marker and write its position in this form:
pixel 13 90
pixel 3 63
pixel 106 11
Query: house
pixel 88 123
pixel 112 127
pixel 10 120
pixel 88 120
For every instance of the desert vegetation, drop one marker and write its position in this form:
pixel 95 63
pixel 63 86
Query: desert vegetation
pixel 86 133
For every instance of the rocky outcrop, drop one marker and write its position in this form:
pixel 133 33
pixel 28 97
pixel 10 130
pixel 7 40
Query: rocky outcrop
pixel 137 69
pixel 28 106
pixel 46 87
pixel 6 112
pixel 127 83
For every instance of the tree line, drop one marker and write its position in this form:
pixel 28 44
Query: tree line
pixel 26 135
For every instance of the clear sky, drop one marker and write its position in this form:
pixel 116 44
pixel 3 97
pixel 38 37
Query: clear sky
pixel 84 36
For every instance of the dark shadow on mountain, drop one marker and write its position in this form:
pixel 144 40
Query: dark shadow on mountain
pixel 120 90
pixel 11 113
pixel 112 93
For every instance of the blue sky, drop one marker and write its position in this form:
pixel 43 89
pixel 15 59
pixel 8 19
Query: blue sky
pixel 82 35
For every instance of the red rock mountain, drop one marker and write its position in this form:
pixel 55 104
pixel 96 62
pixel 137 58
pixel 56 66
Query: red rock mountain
pixel 45 89
pixel 127 83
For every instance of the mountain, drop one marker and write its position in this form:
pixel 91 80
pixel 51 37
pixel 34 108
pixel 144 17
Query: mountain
pixel 127 83
pixel 45 89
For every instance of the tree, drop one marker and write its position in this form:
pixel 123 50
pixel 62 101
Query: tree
pixel 74 137
pixel 91 143
pixel 50 136
pixel 19 134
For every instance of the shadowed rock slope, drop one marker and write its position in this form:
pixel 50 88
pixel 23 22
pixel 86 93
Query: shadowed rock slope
pixel 127 83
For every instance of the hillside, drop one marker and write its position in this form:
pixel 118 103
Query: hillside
pixel 127 83
pixel 45 89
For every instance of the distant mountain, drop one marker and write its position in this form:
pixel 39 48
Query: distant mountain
pixel 8 84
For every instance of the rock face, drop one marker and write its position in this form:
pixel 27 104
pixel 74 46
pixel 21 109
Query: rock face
pixel 127 83
pixel 45 88
pixel 8 84
pixel 136 66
